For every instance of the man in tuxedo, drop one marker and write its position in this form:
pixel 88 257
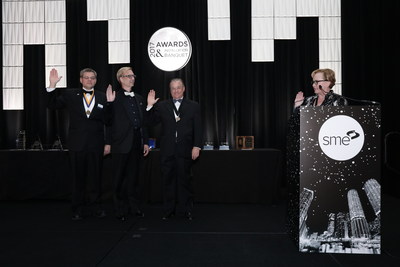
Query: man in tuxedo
pixel 128 141
pixel 181 142
pixel 86 138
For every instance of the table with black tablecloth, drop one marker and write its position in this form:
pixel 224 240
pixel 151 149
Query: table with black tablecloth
pixel 219 176
pixel 226 176
pixel 34 174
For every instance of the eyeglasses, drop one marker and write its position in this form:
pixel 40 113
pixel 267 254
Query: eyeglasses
pixel 317 81
pixel 130 76
pixel 91 78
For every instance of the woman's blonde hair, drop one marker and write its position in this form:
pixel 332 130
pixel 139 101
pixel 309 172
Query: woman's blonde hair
pixel 329 75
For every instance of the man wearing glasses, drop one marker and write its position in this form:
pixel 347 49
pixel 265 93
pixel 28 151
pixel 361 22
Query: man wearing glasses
pixel 86 139
pixel 128 140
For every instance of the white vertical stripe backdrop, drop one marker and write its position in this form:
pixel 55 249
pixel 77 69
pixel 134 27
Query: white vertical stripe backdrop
pixel 43 22
pixel 55 11
pixel 330 48
pixel 13 40
pixel 276 19
pixel 13 55
pixel 13 12
pixel 31 22
pixel 55 40
pixel 307 8
pixel 14 98
pixel 28 22
pixel 116 12
pixel 262 31
pixel 33 33
pixel 33 11
pixel 98 10
pixel 219 21
pixel 285 8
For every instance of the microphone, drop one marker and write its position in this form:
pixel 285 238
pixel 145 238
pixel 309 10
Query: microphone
pixel 362 102
pixel 358 101
pixel 320 88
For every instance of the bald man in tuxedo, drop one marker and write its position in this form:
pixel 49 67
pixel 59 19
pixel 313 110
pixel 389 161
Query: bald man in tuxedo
pixel 181 142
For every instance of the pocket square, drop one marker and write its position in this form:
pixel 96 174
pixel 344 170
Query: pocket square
pixel 99 105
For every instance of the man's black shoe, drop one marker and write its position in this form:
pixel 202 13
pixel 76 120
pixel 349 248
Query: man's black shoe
pixel 139 213
pixel 168 216
pixel 77 217
pixel 189 216
pixel 100 214
pixel 121 217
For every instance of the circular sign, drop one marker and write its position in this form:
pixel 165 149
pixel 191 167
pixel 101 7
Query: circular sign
pixel 341 137
pixel 169 49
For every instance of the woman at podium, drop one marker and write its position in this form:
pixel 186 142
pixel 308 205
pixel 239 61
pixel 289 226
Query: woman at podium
pixel 323 80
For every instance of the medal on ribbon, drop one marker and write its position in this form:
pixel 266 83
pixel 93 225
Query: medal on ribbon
pixel 88 101
pixel 176 113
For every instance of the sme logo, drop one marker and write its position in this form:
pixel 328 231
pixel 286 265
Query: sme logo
pixel 341 138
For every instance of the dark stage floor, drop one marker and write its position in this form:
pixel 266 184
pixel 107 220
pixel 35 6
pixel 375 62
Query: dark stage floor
pixel 41 233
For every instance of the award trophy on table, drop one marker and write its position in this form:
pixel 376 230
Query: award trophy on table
pixel 224 145
pixel 208 145
pixel 57 145
pixel 37 145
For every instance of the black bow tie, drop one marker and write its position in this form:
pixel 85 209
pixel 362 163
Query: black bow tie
pixel 177 100
pixel 87 92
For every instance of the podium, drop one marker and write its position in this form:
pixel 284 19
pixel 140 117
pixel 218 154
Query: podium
pixel 338 188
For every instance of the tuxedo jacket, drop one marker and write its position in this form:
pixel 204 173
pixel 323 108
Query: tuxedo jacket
pixel 178 137
pixel 84 134
pixel 121 134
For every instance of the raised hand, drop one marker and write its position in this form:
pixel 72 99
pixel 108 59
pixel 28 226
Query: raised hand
pixel 54 79
pixel 110 94
pixel 151 98
pixel 299 99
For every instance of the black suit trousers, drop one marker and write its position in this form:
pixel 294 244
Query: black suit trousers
pixel 86 169
pixel 126 185
pixel 177 184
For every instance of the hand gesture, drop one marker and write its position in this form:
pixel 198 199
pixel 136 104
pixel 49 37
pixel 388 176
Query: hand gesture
pixel 54 79
pixel 107 150
pixel 151 98
pixel 110 94
pixel 299 99
pixel 195 153
pixel 146 150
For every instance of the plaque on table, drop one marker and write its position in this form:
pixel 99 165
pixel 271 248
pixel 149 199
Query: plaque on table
pixel 244 142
